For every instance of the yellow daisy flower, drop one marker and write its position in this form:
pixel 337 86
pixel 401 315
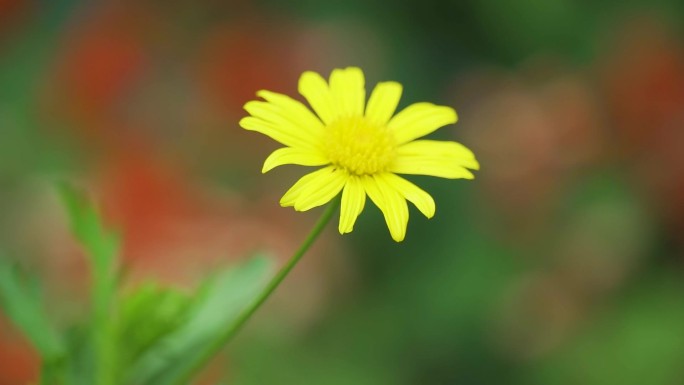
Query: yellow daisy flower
pixel 362 150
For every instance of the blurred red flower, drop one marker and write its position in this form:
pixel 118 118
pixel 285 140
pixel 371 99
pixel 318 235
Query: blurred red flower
pixel 533 131
pixel 19 363
pixel 102 59
pixel 643 72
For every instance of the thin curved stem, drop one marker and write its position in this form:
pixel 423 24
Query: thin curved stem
pixel 265 294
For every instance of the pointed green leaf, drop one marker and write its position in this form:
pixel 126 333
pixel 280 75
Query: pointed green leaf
pixel 102 248
pixel 100 244
pixel 148 314
pixel 224 299
pixel 21 301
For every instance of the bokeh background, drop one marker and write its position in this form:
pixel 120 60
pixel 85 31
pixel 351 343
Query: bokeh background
pixel 561 263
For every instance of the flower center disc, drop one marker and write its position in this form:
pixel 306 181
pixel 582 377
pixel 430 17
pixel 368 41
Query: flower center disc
pixel 359 146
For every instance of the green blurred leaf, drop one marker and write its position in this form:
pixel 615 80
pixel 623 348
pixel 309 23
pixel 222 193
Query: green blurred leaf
pixel 637 340
pixel 102 248
pixel 225 297
pixel 21 300
pixel 81 355
pixel 148 314
pixel 101 245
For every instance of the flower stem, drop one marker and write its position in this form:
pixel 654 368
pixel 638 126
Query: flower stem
pixel 264 295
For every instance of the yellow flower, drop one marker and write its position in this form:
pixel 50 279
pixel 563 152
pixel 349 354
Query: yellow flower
pixel 362 150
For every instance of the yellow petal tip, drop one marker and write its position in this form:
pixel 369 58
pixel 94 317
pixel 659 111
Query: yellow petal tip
pixel 249 104
pixel 453 115
pixel 263 93
pixel 244 122
pixel 307 77
pixel 286 202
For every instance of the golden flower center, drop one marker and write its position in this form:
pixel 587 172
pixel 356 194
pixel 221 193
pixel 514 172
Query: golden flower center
pixel 359 146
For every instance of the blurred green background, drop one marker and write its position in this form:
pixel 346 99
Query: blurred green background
pixel 561 263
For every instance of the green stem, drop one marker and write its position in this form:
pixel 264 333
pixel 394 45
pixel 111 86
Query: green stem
pixel 216 346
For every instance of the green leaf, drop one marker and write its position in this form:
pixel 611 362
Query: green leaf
pixel 221 304
pixel 21 300
pixel 147 314
pixel 101 246
pixel 102 249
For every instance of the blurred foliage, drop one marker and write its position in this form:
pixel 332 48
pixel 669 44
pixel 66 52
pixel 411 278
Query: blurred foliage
pixel 638 339
pixel 170 360
pixel 21 300
pixel 152 335
pixel 557 272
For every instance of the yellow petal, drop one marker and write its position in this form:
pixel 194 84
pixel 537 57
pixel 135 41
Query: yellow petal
pixel 391 203
pixel 353 200
pixel 432 168
pixel 449 149
pixel 316 91
pixel 292 194
pixel 444 150
pixel 295 111
pixel 274 132
pixel 319 190
pixel 347 89
pixel 290 155
pixel 436 158
pixel 383 102
pixel 282 122
pixel 422 200
pixel 420 119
